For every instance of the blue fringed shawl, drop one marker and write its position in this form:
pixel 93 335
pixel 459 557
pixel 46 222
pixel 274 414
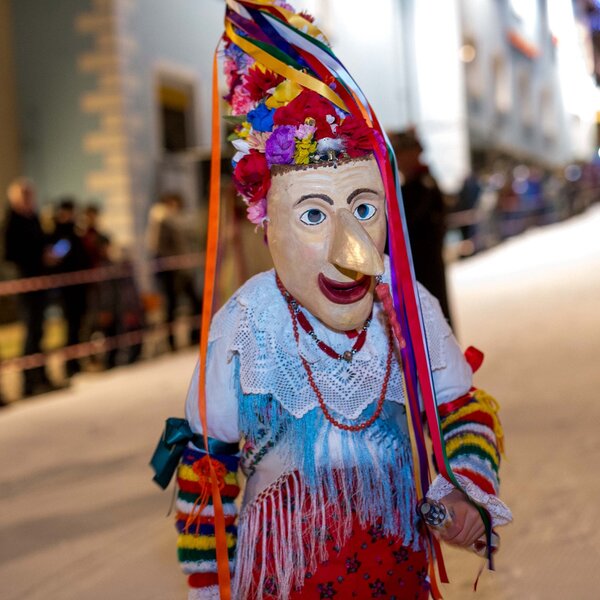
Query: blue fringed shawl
pixel 365 475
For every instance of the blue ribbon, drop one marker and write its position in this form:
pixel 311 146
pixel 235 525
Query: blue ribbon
pixel 173 441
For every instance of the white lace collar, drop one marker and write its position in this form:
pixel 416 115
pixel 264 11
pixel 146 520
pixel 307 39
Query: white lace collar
pixel 257 326
pixel 257 321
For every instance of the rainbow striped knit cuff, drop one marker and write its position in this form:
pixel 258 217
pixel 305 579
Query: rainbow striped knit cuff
pixel 474 438
pixel 195 523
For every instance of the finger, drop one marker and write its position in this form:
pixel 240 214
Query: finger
pixel 457 535
pixel 451 531
pixel 468 531
pixel 476 531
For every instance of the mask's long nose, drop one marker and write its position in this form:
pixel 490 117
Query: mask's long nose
pixel 352 247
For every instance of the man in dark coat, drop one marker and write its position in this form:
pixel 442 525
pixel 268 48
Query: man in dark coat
pixel 27 247
pixel 68 246
pixel 425 216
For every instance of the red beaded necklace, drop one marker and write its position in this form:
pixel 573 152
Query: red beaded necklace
pixel 317 391
pixel 361 336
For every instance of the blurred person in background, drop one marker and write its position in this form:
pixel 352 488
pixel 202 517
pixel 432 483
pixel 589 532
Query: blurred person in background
pixel 425 216
pixel 27 246
pixel 94 241
pixel 167 236
pixel 468 200
pixel 68 246
pixel 115 308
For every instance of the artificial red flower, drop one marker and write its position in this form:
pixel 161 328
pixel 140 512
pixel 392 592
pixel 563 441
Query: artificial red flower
pixel 258 83
pixel 306 15
pixel 252 177
pixel 307 104
pixel 356 135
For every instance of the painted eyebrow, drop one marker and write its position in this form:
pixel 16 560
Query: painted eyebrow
pixel 324 197
pixel 360 191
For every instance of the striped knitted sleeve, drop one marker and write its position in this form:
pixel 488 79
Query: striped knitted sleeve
pixel 474 438
pixel 195 523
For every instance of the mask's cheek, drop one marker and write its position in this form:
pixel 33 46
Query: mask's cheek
pixel 299 264
pixel 377 230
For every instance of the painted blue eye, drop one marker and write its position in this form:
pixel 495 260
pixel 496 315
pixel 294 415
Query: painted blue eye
pixel 313 216
pixel 363 212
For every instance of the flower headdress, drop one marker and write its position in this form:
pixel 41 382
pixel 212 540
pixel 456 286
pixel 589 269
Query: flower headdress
pixel 280 122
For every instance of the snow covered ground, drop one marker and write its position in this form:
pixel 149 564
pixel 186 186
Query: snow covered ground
pixel 80 518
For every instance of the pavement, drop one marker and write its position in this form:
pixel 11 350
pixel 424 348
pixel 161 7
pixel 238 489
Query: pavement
pixel 80 518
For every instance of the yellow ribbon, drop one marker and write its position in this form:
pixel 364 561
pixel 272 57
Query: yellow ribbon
pixel 413 445
pixel 282 69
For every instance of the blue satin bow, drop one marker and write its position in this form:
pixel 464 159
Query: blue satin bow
pixel 173 441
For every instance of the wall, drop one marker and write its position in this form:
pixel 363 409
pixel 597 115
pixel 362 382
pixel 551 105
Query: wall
pixel 87 72
pixel 534 119
pixel 404 57
pixel 156 38
pixel 442 118
pixel 9 135
pixel 49 88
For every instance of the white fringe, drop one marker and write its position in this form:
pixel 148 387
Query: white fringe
pixel 204 593
pixel 293 553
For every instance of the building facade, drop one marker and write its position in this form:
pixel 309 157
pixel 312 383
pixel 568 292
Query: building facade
pixel 109 100
pixel 530 89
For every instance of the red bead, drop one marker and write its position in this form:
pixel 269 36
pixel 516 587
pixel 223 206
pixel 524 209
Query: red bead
pixel 304 322
pixel 360 341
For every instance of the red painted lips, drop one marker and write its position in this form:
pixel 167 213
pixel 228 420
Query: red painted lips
pixel 346 292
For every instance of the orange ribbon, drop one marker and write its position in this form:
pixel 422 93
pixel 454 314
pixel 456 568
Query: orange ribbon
pixel 214 206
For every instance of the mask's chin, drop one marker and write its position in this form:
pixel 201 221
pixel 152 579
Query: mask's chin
pixel 342 317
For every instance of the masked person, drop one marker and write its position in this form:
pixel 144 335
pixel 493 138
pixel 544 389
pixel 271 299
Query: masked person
pixel 305 363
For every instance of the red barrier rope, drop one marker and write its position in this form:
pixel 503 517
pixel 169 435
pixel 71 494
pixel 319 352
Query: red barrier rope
pixel 95 275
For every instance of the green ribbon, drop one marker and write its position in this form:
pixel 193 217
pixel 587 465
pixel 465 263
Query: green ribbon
pixel 173 441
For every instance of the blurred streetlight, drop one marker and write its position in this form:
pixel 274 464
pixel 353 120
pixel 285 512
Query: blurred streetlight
pixel 572 172
pixel 467 53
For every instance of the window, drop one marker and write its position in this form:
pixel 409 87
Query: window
pixel 176 107
pixel 502 91
pixel 547 115
pixel 525 100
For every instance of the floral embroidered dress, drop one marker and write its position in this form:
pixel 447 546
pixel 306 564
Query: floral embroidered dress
pixel 325 512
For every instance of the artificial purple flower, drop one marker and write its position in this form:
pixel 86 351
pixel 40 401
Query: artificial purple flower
pixel 280 147
pixel 241 59
pixel 305 130
pixel 284 4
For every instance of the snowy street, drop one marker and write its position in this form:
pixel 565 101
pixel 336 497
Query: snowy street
pixel 81 518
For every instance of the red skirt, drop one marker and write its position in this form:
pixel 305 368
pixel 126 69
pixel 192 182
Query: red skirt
pixel 368 565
